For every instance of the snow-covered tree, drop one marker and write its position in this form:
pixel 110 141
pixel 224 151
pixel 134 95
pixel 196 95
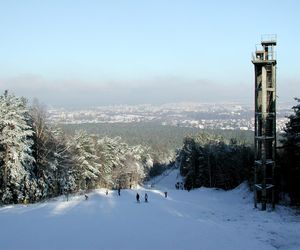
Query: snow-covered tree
pixel 63 164
pixel 87 161
pixel 111 153
pixel 43 152
pixel 121 164
pixel 39 161
pixel 15 149
pixel 134 166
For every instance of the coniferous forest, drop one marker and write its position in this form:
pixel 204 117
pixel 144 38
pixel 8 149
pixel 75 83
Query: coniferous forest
pixel 39 161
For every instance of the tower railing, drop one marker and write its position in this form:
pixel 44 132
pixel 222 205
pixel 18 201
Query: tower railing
pixel 271 56
pixel 272 38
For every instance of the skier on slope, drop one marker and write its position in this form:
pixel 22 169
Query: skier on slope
pixel 137 197
pixel 146 197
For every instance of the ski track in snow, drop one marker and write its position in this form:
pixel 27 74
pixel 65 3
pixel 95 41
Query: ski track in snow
pixel 207 219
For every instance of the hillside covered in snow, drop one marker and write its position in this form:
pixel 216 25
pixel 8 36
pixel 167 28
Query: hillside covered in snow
pixel 200 219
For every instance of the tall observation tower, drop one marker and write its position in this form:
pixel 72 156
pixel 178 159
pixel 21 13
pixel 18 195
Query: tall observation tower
pixel 264 60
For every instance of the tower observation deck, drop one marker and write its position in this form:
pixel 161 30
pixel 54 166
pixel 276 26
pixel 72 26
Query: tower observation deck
pixel 264 60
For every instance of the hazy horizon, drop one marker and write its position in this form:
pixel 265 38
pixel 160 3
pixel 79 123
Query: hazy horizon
pixel 83 54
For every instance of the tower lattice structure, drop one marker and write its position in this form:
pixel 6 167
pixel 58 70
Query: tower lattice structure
pixel 264 60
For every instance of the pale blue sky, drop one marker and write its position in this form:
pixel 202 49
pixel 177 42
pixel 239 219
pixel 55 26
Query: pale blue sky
pixel 138 51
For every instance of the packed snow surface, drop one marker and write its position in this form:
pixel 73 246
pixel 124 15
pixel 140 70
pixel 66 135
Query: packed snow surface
pixel 200 219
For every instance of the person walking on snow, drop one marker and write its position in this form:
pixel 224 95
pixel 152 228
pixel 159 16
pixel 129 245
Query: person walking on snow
pixel 146 197
pixel 137 197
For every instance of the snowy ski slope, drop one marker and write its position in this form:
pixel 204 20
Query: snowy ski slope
pixel 205 219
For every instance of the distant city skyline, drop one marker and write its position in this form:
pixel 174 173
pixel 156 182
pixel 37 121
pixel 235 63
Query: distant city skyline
pixel 89 53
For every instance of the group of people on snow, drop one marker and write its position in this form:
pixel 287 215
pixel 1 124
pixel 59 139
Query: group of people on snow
pixel 138 197
pixel 179 185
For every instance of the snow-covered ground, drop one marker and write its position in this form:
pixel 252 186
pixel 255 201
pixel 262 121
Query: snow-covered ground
pixel 200 219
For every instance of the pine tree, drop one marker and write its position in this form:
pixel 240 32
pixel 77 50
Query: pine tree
pixel 16 153
pixel 43 152
pixel 86 160
pixel 111 152
pixel 291 155
pixel 121 165
pixel 63 164
pixel 133 164
pixel 211 161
